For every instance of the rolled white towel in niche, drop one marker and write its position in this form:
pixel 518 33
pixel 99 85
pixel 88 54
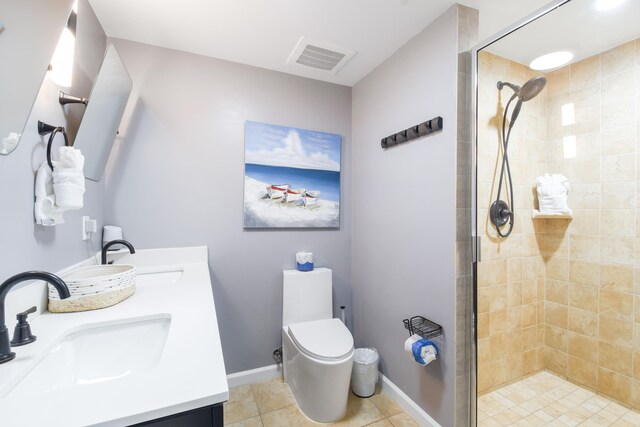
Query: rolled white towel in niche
pixel 420 350
pixel 553 191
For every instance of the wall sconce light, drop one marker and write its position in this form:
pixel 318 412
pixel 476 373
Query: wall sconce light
pixel 65 98
pixel 61 66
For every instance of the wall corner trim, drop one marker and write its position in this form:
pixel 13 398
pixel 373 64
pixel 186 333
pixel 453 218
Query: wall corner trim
pixel 405 402
pixel 254 375
pixel 393 391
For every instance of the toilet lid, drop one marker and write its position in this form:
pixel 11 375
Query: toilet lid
pixel 326 339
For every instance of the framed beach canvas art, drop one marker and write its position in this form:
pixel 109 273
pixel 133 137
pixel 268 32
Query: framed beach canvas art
pixel 291 177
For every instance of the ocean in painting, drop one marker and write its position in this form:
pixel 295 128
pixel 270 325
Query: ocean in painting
pixel 303 159
pixel 326 182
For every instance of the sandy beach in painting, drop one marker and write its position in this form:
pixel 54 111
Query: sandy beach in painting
pixel 261 211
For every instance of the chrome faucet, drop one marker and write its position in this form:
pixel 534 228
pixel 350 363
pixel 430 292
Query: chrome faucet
pixel 5 346
pixel 115 242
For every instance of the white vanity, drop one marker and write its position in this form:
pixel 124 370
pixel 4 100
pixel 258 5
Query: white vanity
pixel 152 359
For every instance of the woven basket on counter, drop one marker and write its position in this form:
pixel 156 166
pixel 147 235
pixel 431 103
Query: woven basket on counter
pixel 94 287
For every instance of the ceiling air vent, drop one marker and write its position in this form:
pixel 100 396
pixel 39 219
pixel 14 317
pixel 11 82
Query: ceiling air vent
pixel 319 55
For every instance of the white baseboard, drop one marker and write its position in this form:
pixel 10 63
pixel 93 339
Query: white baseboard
pixel 254 375
pixel 405 402
pixel 393 391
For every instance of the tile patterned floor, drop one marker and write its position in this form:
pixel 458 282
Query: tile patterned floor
pixel 270 404
pixel 545 399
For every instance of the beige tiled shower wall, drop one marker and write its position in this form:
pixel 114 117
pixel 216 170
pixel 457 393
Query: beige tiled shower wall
pixel 511 271
pixel 467 37
pixel 592 300
pixel 579 277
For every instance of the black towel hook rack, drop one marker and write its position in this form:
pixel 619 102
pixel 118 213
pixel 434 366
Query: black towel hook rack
pixel 414 132
pixel 47 129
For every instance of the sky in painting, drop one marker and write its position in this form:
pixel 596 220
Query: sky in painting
pixel 274 145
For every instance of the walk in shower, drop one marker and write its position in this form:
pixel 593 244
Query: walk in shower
pixel 557 304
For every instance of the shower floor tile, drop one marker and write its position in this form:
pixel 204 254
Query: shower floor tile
pixel 545 399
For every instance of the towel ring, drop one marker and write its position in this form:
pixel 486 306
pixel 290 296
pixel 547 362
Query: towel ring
pixel 44 129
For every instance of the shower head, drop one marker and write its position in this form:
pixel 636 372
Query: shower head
pixel 532 88
pixel 527 91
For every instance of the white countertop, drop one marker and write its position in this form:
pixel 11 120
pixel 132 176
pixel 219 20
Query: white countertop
pixel 189 375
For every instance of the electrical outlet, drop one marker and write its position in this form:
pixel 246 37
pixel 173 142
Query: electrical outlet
pixel 89 226
pixel 85 235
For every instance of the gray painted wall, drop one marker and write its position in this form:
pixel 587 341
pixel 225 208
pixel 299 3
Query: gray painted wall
pixel 404 211
pixel 175 178
pixel 26 245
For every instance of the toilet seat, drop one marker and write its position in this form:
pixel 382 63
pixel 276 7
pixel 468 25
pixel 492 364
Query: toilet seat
pixel 327 339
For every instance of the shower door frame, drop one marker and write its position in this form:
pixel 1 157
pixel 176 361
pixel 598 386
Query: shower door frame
pixel 476 249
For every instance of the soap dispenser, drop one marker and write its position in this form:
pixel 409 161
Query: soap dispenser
pixel 22 333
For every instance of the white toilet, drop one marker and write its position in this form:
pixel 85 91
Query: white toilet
pixel 317 349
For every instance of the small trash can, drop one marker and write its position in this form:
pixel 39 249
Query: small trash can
pixel 365 372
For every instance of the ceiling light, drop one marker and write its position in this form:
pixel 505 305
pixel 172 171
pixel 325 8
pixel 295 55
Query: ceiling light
pixel 603 5
pixel 551 60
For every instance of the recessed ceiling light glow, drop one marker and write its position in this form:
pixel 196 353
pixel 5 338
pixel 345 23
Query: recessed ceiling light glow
pixel 551 60
pixel 607 4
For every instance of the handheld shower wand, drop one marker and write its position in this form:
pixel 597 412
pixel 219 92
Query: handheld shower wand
pixel 500 213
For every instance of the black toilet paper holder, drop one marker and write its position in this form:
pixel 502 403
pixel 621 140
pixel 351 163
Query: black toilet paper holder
pixel 423 327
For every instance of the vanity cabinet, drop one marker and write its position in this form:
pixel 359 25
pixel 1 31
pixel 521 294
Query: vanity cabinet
pixel 202 417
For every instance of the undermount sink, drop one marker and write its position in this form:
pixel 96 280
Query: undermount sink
pixel 166 275
pixel 96 353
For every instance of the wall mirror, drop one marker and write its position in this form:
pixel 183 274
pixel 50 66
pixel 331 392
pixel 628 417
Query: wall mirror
pixel 27 41
pixel 99 125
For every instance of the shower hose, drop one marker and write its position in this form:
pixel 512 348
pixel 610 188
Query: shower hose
pixel 505 166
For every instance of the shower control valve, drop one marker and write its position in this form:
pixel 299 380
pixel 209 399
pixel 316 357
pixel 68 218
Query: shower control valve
pixel 500 213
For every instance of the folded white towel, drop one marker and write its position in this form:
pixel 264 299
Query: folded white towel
pixel 45 209
pixel 61 189
pixel 68 179
pixel 68 196
pixel 71 158
pixel 553 191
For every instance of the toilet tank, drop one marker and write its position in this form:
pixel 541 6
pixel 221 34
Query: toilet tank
pixel 306 295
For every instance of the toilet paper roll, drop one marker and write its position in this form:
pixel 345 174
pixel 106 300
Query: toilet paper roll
pixel 420 350
pixel 304 261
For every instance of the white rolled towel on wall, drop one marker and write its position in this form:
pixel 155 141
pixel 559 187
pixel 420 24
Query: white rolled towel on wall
pixel 61 189
pixel 46 211
pixel 68 179
pixel 420 350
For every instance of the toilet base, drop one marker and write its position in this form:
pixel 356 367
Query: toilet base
pixel 320 387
